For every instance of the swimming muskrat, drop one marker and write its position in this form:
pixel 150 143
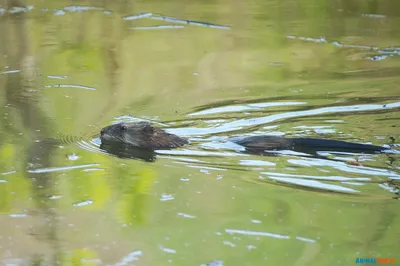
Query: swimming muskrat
pixel 143 135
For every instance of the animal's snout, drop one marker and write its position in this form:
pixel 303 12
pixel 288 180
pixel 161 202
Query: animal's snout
pixel 102 132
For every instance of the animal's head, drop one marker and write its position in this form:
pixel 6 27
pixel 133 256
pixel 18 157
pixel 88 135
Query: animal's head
pixel 141 135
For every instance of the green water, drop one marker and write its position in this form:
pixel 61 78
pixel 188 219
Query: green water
pixel 206 70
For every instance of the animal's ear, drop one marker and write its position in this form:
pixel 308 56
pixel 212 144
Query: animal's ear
pixel 148 129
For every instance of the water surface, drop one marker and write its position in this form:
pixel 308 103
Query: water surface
pixel 207 71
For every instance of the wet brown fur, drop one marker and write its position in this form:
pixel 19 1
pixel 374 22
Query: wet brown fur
pixel 141 135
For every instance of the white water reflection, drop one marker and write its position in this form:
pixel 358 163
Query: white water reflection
pixel 167 250
pixel 189 22
pixel 10 72
pixel 240 108
pixel 198 153
pixel 326 178
pixel 158 27
pixel 314 184
pixel 131 257
pixel 387 51
pixel 256 163
pixel 242 123
pixel 266 234
pixel 312 162
pixel 83 203
pixel 185 215
pixel 254 233
pixel 70 86
pixel 62 168
pixel 138 16
pixel 173 20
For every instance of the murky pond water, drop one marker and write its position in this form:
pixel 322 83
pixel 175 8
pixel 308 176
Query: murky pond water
pixel 207 71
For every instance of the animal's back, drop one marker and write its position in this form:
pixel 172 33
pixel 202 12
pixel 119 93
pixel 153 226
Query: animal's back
pixel 338 145
pixel 309 145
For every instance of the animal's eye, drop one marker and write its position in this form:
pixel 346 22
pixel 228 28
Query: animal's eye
pixel 123 127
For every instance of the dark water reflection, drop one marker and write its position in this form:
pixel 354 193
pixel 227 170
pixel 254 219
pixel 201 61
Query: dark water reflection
pixel 207 71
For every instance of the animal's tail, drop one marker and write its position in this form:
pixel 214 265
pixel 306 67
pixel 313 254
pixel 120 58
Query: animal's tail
pixel 335 145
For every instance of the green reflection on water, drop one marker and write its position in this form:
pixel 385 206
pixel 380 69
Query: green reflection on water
pixel 106 70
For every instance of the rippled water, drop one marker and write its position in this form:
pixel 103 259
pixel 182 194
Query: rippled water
pixel 206 71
